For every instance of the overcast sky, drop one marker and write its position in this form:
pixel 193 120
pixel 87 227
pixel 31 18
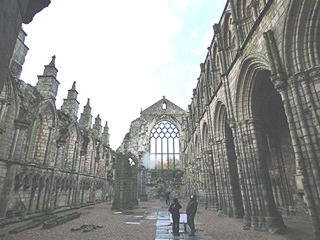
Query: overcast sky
pixel 125 55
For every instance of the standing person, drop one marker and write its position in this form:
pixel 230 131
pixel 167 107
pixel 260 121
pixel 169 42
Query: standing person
pixel 191 212
pixel 174 210
pixel 168 198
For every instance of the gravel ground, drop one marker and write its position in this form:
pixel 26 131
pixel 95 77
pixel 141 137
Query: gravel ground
pixel 114 226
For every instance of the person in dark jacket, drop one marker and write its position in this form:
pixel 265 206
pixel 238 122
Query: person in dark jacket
pixel 168 198
pixel 174 210
pixel 191 213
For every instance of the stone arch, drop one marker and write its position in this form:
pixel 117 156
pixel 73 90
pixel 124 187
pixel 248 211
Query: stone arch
pixel 226 26
pixel 7 98
pixel 34 186
pixel 244 86
pixel 19 180
pixel 205 135
pixel 42 132
pixel 90 151
pixel 275 144
pixel 9 112
pixel 27 181
pixel 301 45
pixel 219 116
pixel 216 66
pixel 164 144
pixel 197 145
pixel 72 143
pixel 210 85
pixel 41 192
pixel 247 12
pixel 227 179
pixel 255 96
pixel 228 37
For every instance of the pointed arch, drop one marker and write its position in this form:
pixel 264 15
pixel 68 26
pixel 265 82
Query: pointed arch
pixel 42 132
pixel 301 45
pixel 205 135
pixel 245 83
pixel 164 146
pixel 72 147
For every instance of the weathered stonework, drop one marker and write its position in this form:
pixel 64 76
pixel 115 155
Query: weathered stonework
pixel 136 145
pixel 249 143
pixel 253 128
pixel 12 14
pixel 47 158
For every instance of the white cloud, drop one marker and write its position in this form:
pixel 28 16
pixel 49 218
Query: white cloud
pixel 118 52
pixel 206 41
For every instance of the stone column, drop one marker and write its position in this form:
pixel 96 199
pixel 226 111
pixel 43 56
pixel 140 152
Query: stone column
pixel 50 202
pixel 7 187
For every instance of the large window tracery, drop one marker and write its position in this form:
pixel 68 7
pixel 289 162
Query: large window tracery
pixel 164 146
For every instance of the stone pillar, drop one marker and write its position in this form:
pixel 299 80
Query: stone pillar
pixel 50 202
pixel 86 117
pixel 123 184
pixel 7 187
pixel 71 104
pixel 47 83
pixel 18 144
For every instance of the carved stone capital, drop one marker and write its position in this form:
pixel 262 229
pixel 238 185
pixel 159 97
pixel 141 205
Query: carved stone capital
pixel 302 76
pixel 232 124
pixel 279 82
pixel 314 73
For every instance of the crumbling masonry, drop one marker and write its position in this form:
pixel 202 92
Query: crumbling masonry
pixel 48 159
pixel 251 138
pixel 253 127
pixel 248 146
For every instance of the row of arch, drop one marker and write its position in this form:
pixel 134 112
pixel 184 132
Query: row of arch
pixel 35 191
pixel 246 143
pixel 37 135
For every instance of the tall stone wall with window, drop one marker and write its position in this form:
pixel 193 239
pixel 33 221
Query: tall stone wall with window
pixel 252 141
pixel 48 159
pixel 155 178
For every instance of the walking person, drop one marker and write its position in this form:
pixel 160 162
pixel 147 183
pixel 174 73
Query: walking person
pixel 174 210
pixel 191 212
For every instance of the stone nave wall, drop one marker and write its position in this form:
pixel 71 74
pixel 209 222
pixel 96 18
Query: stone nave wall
pixel 253 127
pixel 48 159
pixel 154 181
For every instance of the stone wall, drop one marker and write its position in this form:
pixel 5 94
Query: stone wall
pixel 136 145
pixel 48 159
pixel 171 180
pixel 252 141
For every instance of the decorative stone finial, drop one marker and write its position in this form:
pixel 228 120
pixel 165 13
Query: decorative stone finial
pixel 52 63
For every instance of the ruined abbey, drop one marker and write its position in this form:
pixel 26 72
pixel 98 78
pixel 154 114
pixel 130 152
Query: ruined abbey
pixel 248 146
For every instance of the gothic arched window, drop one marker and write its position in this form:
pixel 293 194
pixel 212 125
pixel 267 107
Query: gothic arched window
pixel 164 146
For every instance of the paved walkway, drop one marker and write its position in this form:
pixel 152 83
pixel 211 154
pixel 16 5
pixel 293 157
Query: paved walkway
pixel 164 229
pixel 150 220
